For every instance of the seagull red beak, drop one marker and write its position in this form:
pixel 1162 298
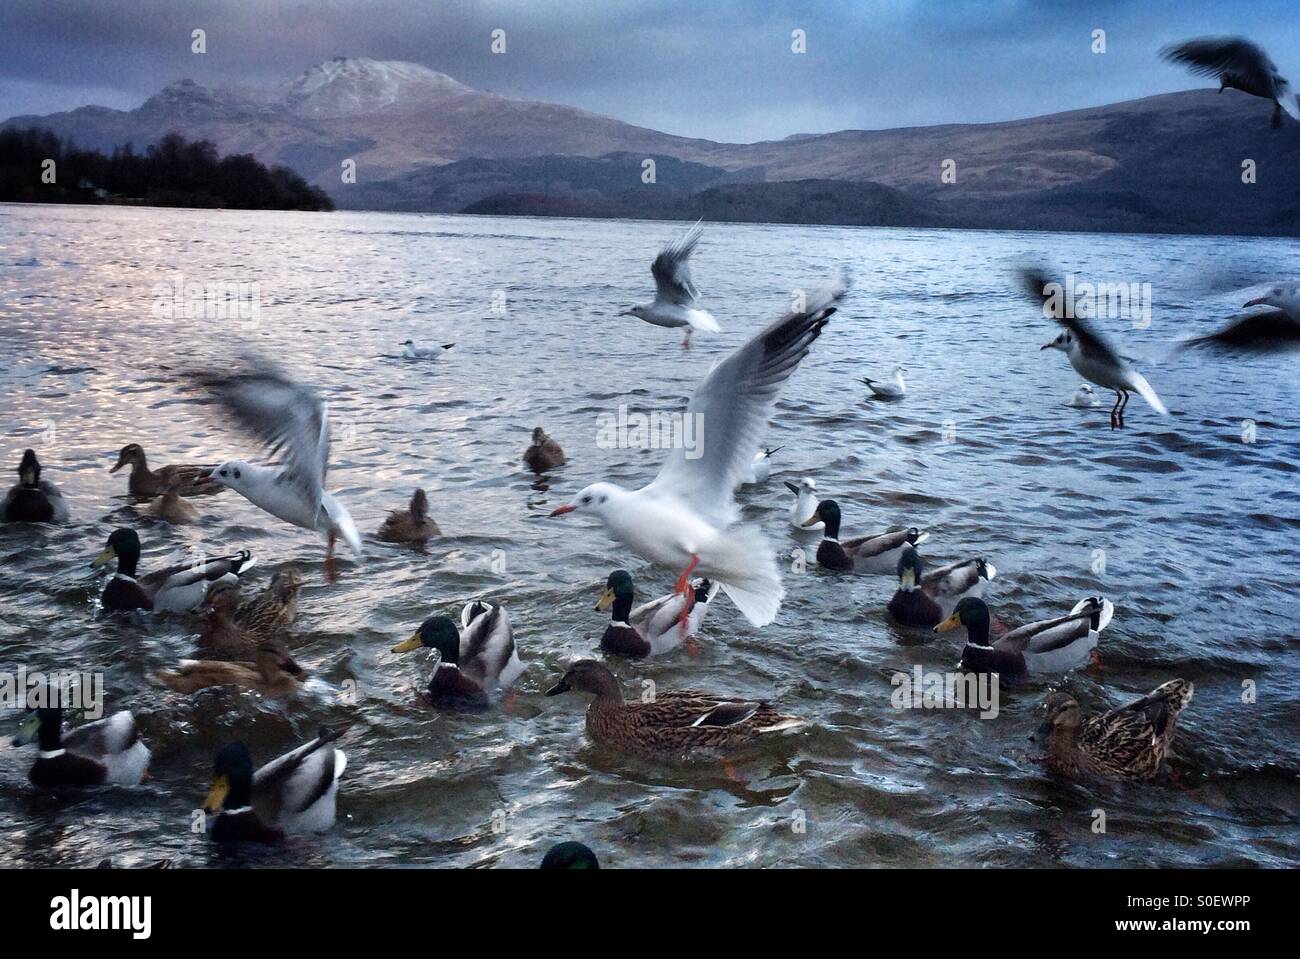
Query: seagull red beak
pixel 561 510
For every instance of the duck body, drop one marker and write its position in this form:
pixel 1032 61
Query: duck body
pixel 170 507
pixel 1049 646
pixel 862 554
pixel 32 499
pixel 177 589
pixel 272 673
pixel 411 525
pixel 268 614
pixel 804 505
pixel 674 722
pixel 544 453
pixel 186 480
pixel 652 628
pixel 1127 743
pixel 924 599
pixel 106 751
pixel 475 661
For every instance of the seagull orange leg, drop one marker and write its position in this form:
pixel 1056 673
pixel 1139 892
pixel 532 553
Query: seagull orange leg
pixel 684 586
pixel 331 567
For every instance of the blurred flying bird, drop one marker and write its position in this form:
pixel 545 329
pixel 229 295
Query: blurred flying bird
pixel 676 302
pixel 1239 64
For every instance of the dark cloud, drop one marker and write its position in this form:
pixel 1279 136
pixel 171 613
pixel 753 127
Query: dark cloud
pixel 722 69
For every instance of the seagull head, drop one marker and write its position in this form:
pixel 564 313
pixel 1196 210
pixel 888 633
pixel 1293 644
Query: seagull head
pixel 598 498
pixel 1282 297
pixel 231 473
pixel 1061 343
pixel 637 311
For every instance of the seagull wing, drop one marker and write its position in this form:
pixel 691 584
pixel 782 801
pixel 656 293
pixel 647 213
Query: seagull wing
pixel 1269 332
pixel 672 271
pixel 731 407
pixel 287 416
pixel 1092 343
pixel 1213 56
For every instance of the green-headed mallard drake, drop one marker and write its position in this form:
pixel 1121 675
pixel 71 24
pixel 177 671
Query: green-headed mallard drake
pixel 1047 646
pixel 473 661
pixel 862 554
pixel 176 589
pixel 296 793
pixel 674 722
pixel 272 672
pixel 651 628
pixel 925 599
pixel 544 453
pixel 570 855
pixel 171 507
pixel 106 751
pixel 410 525
pixel 187 480
pixel 1126 743
pixel 32 499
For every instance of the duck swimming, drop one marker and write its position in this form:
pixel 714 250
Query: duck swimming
pixel 410 525
pixel 652 628
pixel 925 599
pixel 32 499
pixel 268 614
pixel 171 508
pixel 273 672
pixel 544 453
pixel 106 751
pixel 177 589
pixel 188 480
pixel 474 661
pixel 570 855
pixel 1048 646
pixel 805 504
pixel 1126 743
pixel 296 793
pixel 673 722
pixel 862 554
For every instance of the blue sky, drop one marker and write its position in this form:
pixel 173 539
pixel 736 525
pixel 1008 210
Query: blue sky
pixel 721 69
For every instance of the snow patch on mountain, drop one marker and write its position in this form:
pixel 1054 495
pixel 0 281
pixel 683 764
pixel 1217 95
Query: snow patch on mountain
pixel 352 86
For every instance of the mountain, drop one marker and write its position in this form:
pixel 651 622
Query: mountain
pixel 424 141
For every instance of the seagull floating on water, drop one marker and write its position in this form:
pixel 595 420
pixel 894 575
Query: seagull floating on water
pixel 760 467
pixel 805 504
pixel 891 389
pixel 413 352
pixel 291 417
pixel 676 302
pixel 687 517
pixel 1085 397
pixel 1269 331
pixel 1239 64
pixel 1091 356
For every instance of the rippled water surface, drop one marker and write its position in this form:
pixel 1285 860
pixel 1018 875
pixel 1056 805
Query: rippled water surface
pixel 1200 533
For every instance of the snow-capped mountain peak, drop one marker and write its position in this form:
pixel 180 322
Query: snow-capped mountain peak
pixel 350 86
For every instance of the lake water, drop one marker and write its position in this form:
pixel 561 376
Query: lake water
pixel 1200 532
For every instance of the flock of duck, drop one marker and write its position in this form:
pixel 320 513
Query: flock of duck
pixel 686 519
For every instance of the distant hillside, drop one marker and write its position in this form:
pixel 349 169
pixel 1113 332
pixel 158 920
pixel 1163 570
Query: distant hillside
pixel 423 141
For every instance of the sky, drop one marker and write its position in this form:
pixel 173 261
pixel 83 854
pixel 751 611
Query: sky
pixel 720 69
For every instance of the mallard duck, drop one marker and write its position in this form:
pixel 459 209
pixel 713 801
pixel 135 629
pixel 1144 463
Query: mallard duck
pixel 274 609
pixel 570 855
pixel 296 793
pixel 106 751
pixel 673 722
pixel 654 627
pixel 222 637
pixel 924 599
pixel 410 525
pixel 177 589
pixel 1048 646
pixel 805 504
pixel 170 507
pixel 272 673
pixel 544 454
pixel 188 480
pixel 891 389
pixel 862 554
pixel 32 499
pixel 1125 743
pixel 473 661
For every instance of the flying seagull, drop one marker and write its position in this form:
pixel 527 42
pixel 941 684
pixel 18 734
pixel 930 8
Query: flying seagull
pixel 288 417
pixel 687 517
pixel 676 298
pixel 1091 356
pixel 1269 331
pixel 1239 64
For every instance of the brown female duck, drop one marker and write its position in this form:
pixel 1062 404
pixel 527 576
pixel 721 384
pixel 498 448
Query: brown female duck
pixel 190 480
pixel 410 525
pixel 544 454
pixel 273 673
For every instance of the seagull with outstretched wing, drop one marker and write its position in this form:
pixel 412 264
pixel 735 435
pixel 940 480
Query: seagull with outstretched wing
pixel 687 517
pixel 1268 331
pixel 1239 64
pixel 676 302
pixel 291 419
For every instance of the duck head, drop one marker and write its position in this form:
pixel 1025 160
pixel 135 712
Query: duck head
pixel 828 512
pixel 588 676
pixel 570 855
pixel 909 569
pixel 1062 714
pixel 273 658
pixel 132 455
pixel 29 470
pixel 419 506
pixel 285 584
pixel 125 545
pixel 539 436
pixel 618 590
pixel 41 726
pixel 598 498
pixel 436 632
pixel 702 589
pixel 972 613
pixel 232 779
